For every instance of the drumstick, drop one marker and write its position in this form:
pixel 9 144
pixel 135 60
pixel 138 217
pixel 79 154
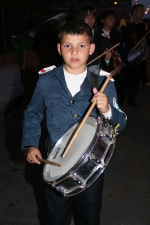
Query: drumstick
pixel 85 118
pixel 139 41
pixel 48 162
pixel 103 54
pixel 92 105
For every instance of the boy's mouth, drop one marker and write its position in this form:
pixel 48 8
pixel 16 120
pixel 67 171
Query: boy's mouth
pixel 74 60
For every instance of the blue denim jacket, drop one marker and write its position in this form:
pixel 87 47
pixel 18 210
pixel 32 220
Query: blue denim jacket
pixel 62 110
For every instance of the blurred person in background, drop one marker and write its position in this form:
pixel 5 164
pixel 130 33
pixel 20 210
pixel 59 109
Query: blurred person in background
pixel 133 32
pixel 88 14
pixel 110 36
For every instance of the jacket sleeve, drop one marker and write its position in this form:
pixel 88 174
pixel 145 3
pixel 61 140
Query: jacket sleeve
pixel 118 116
pixel 33 116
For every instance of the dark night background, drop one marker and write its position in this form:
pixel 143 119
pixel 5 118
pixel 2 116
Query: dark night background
pixel 14 15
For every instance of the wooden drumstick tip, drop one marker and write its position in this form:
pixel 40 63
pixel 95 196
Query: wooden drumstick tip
pixel 64 154
pixel 48 162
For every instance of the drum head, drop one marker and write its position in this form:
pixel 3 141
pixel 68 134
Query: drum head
pixel 137 55
pixel 75 153
pixel 134 53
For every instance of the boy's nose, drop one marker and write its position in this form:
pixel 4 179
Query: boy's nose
pixel 74 50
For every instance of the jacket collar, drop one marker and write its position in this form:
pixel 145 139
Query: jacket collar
pixel 85 87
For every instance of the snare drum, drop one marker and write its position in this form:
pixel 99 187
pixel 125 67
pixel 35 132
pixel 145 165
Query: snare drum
pixel 137 55
pixel 85 160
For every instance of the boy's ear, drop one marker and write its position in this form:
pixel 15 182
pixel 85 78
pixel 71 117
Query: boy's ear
pixel 58 48
pixel 92 49
pixel 102 20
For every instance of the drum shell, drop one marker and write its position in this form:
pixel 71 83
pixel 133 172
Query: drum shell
pixel 139 54
pixel 88 168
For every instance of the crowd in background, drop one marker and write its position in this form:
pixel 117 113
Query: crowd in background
pixel 108 30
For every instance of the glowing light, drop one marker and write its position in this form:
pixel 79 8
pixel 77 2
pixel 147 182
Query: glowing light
pixel 115 3
pixel 136 2
pixel 147 9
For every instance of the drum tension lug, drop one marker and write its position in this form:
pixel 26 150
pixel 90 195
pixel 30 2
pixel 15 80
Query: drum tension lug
pixel 77 179
pixel 53 184
pixel 72 175
pixel 91 156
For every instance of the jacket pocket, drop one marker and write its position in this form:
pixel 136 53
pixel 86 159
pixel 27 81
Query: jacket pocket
pixel 52 102
pixel 53 110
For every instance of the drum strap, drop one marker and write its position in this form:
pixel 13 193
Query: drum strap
pixel 94 80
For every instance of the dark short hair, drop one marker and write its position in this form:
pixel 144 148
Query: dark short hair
pixel 135 7
pixel 75 27
pixel 107 13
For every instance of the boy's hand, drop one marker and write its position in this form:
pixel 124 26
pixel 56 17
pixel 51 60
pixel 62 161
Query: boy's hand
pixel 32 154
pixel 101 101
pixel 108 54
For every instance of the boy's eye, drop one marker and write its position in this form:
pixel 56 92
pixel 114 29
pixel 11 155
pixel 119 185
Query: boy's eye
pixel 82 46
pixel 67 46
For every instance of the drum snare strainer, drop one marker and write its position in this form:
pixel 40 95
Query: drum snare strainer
pixel 85 160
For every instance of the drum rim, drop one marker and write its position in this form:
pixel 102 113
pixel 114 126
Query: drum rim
pixel 77 164
pixel 136 50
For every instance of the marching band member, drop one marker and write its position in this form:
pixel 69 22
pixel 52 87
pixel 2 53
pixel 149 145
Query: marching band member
pixel 132 33
pixel 65 93
pixel 110 36
pixel 88 14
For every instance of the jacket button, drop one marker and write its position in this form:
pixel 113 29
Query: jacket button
pixel 72 101
pixel 75 116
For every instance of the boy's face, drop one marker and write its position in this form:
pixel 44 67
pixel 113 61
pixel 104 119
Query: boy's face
pixel 139 12
pixel 109 21
pixel 75 50
pixel 90 19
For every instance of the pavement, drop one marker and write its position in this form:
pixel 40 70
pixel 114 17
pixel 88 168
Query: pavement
pixel 126 196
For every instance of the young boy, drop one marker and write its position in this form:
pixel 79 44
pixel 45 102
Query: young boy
pixel 110 37
pixel 66 93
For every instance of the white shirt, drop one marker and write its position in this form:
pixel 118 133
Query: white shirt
pixel 74 83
